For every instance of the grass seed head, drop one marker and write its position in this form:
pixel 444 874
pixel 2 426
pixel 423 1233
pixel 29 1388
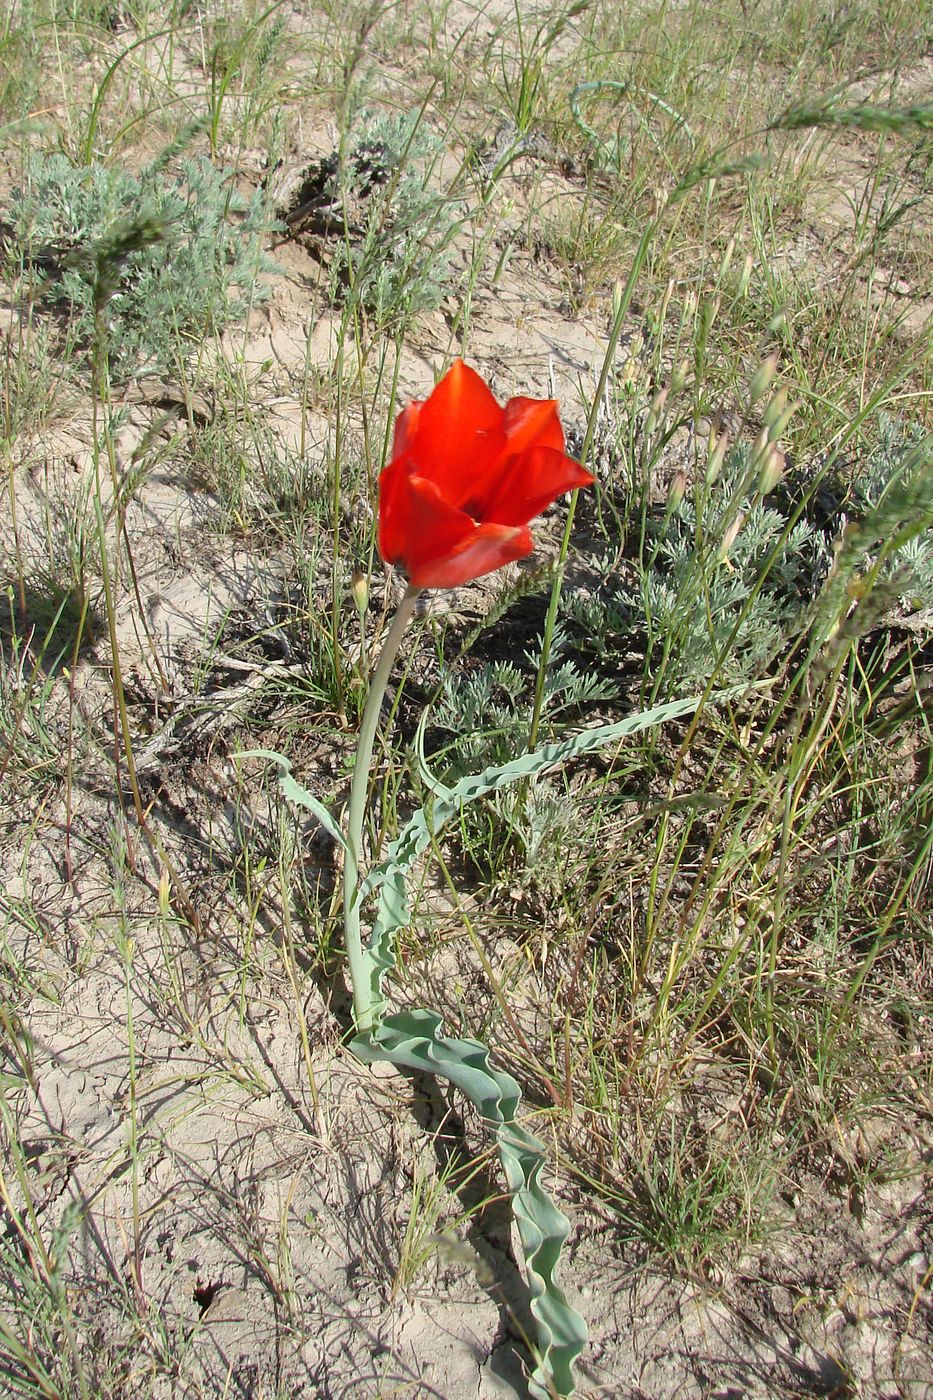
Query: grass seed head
pixel 761 379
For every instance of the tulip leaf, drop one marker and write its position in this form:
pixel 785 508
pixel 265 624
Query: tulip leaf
pixel 413 1040
pixel 293 791
pixel 432 783
pixel 389 877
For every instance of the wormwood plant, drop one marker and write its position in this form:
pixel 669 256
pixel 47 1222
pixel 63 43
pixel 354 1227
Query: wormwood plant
pixel 394 257
pixel 485 707
pixel 694 582
pixel 728 574
pixel 184 285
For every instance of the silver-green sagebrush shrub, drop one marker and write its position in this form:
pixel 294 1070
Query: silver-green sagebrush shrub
pixel 730 578
pixel 897 486
pixel 169 260
pixel 485 708
pixel 396 256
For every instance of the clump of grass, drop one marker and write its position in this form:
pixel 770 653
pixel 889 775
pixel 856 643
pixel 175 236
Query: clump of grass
pixel 20 61
pixel 194 272
pixel 482 713
pixel 246 64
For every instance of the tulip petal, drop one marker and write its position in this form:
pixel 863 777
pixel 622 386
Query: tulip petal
pixel 532 423
pixel 529 482
pixel 527 423
pixel 394 509
pixel 485 549
pixel 405 426
pixel 417 526
pixel 438 545
pixel 458 434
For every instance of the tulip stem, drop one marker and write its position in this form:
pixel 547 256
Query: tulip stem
pixel 359 791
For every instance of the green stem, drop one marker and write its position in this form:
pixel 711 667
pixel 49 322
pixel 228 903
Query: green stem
pixel 621 311
pixel 359 790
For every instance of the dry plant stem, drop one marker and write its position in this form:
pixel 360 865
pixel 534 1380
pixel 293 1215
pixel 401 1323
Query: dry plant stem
pixel 14 521
pixel 335 525
pixel 359 789
pixel 136 1262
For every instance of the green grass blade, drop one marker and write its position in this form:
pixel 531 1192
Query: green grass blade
pixel 863 116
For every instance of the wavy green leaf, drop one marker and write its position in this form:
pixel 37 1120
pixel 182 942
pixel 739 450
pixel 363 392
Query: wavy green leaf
pixel 293 791
pixel 390 875
pixel 412 1040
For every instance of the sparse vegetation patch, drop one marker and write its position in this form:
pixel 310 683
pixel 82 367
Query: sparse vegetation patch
pixel 633 849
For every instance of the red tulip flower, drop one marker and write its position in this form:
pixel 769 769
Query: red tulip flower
pixel 466 477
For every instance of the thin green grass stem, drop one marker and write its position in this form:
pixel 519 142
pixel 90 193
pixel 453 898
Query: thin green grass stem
pixel 359 789
pixel 547 641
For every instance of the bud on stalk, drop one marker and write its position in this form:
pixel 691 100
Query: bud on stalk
pixel 655 411
pixel 775 407
pixel 717 455
pixel 359 588
pixel 771 472
pixel 729 538
pixel 675 492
